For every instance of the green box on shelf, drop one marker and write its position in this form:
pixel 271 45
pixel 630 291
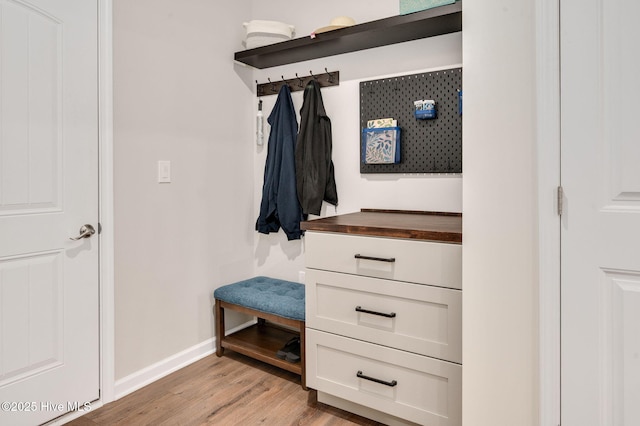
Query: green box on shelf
pixel 410 6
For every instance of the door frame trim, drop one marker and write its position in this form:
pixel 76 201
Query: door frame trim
pixel 105 214
pixel 549 223
pixel 106 208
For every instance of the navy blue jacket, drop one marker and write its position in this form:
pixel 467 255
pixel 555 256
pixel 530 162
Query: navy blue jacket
pixel 280 206
pixel 314 167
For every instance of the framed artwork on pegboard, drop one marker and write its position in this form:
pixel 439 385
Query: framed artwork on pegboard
pixel 430 139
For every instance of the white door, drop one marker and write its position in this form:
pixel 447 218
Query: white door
pixel 600 280
pixel 48 190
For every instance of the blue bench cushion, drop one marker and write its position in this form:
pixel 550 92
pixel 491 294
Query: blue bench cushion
pixel 264 294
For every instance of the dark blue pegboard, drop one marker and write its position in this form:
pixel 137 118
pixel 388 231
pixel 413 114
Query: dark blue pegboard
pixel 428 146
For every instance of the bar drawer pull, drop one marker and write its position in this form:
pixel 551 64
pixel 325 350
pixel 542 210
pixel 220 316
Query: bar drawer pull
pixel 379 259
pixel 380 314
pixel 373 379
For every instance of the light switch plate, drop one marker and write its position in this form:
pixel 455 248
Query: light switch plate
pixel 164 171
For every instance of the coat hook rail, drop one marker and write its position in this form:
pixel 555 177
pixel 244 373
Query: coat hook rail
pixel 298 83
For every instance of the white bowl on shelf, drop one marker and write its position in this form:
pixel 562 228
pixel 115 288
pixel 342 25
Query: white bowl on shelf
pixel 261 33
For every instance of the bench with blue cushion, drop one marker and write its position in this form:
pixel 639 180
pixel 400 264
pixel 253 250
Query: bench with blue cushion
pixel 279 306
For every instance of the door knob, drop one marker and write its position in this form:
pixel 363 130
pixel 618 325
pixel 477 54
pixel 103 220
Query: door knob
pixel 86 231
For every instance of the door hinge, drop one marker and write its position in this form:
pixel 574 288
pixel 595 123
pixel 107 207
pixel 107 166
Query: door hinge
pixel 560 200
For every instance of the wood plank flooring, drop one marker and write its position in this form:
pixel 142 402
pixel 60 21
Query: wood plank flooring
pixel 231 390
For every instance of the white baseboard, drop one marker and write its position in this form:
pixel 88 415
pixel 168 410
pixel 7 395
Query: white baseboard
pixel 160 369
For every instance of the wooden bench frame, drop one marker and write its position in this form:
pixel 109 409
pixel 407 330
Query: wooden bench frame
pixel 262 340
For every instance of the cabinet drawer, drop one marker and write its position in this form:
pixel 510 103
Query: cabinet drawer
pixel 426 391
pixel 422 262
pixel 417 318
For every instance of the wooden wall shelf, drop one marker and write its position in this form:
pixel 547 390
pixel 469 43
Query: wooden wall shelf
pixel 383 32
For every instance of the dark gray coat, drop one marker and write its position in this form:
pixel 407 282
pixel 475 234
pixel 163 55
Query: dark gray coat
pixel 315 178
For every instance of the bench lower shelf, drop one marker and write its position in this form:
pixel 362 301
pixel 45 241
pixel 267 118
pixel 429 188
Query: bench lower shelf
pixel 262 340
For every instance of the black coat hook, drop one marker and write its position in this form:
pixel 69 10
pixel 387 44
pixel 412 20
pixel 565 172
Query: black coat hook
pixel 330 75
pixel 314 77
pixel 259 89
pixel 300 81
pixel 273 85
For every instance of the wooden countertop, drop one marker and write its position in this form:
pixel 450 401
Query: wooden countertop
pixel 431 226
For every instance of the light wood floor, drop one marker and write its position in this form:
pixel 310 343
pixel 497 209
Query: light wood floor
pixel 231 390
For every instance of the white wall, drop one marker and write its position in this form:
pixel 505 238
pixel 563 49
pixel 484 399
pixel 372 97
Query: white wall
pixel 276 256
pixel 500 279
pixel 178 96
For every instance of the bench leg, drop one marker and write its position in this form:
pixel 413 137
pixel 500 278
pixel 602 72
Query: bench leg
pixel 219 320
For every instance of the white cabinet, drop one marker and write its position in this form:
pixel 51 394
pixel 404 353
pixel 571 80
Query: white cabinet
pixel 384 326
